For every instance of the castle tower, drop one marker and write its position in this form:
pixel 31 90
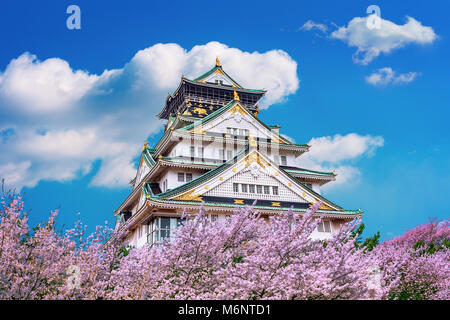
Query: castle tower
pixel 217 151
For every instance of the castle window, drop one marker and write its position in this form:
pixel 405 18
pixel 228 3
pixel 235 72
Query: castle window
pixel 235 187
pixel 192 151
pixel 324 226
pixel 283 160
pixel 180 177
pixel 161 228
pixel 275 190
pixel 276 159
pixel 251 188
pixel 259 189
pixel 188 176
pixel 244 188
pixel 266 190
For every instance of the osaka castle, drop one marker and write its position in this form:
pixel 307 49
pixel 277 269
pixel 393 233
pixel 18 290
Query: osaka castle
pixel 216 152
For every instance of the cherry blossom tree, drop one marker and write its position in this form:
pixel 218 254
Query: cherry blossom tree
pixel 248 256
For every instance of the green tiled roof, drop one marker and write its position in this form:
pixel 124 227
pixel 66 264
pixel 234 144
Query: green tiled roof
pixel 210 174
pixel 212 70
pixel 184 202
pixel 147 154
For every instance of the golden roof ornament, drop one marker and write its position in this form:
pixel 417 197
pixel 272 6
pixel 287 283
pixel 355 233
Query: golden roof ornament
pixel 252 141
pixel 218 62
pixel 236 96
pixel 145 146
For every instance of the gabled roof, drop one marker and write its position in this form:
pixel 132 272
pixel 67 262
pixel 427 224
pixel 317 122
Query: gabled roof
pixel 228 106
pixel 147 155
pixel 217 69
pixel 183 191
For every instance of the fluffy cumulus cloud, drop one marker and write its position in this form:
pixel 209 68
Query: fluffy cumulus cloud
pixel 372 41
pixel 56 121
pixel 311 25
pixel 338 153
pixel 387 76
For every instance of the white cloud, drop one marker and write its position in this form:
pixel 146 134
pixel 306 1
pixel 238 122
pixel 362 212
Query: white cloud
pixel 38 86
pixel 56 121
pixel 338 153
pixel 310 25
pixel 386 76
pixel 371 42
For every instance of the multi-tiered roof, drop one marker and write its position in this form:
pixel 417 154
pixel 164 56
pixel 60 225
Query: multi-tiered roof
pixel 209 92
pixel 195 113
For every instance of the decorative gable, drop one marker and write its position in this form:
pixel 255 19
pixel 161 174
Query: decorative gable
pixel 238 117
pixel 218 77
pixel 254 182
pixel 249 169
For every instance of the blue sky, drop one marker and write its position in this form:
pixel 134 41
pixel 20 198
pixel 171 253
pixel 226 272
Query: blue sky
pixel 398 174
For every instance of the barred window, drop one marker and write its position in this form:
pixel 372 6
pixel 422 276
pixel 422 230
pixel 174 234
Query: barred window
pixel 180 177
pixel 244 188
pixel 188 176
pixel 276 159
pixel 266 190
pixel 251 188
pixel 161 228
pixel 235 187
pixel 275 190
pixel 283 160
pixel 324 226
pixel 259 189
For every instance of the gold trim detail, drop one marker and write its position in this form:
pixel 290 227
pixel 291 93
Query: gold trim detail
pixel 189 196
pixel 237 108
pixel 276 204
pixel 199 111
pixel 236 96
pixel 255 157
pixel 238 201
